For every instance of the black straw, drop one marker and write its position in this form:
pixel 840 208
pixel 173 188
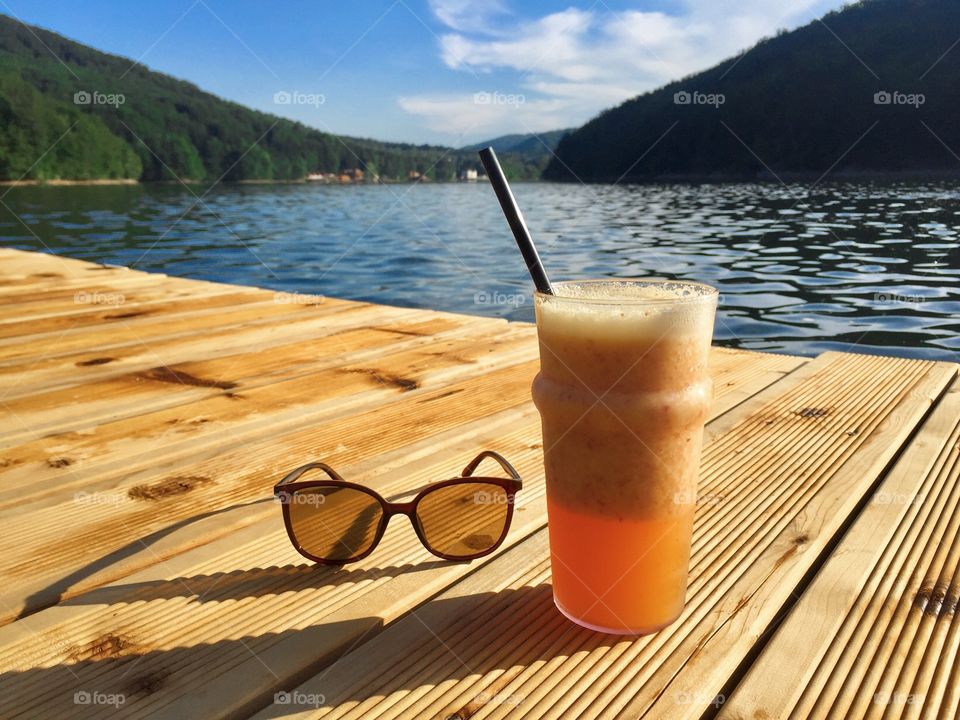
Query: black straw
pixel 515 219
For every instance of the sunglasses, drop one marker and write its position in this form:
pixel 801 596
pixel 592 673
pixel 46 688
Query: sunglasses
pixel 332 521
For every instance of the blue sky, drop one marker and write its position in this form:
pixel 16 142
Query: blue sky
pixel 450 72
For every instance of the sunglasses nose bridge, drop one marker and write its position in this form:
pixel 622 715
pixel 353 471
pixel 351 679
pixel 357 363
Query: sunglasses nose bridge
pixel 408 509
pixel 404 508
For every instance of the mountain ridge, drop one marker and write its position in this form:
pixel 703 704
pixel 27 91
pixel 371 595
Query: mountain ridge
pixel 798 105
pixel 71 112
pixel 534 144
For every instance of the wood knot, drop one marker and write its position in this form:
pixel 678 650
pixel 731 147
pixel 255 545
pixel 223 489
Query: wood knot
pixel 105 646
pixel 167 488
pixel 57 463
pixel 813 412
pixel 381 378
pixel 169 375
pixel 125 315
pixel 95 361
pixel 148 684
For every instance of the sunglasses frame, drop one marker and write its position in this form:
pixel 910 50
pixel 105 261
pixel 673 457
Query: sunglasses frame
pixel 290 484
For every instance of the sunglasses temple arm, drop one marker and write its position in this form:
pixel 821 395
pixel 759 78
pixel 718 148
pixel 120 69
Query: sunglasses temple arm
pixel 295 474
pixel 468 470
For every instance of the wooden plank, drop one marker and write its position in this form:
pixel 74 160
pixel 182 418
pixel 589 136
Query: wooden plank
pixel 167 646
pixel 876 634
pixel 780 475
pixel 116 294
pixel 53 267
pixel 738 375
pixel 23 292
pixel 77 408
pixel 44 374
pixel 25 328
pixel 121 332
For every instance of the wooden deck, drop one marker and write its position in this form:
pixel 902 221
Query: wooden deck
pixel 145 571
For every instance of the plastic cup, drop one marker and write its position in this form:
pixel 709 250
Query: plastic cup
pixel 623 393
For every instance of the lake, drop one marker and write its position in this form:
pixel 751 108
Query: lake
pixel 867 267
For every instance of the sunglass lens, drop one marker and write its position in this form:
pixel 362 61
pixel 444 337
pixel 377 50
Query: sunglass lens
pixel 464 519
pixel 334 523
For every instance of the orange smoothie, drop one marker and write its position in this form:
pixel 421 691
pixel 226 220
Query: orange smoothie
pixel 623 394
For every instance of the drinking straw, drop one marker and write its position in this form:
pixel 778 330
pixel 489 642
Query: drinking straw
pixel 515 219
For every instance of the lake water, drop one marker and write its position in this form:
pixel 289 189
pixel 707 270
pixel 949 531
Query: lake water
pixel 868 267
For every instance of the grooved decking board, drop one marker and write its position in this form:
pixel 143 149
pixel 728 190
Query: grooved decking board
pixel 97 315
pixel 87 298
pixel 123 333
pixel 76 408
pixel 47 373
pixel 877 633
pixel 780 475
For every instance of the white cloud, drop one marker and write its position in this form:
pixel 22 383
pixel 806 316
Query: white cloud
pixel 570 65
pixel 475 16
pixel 462 118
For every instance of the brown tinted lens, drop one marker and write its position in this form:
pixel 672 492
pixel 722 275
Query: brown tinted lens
pixel 334 523
pixel 463 519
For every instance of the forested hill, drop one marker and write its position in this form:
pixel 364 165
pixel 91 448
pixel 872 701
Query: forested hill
pixel 542 143
pixel 68 111
pixel 871 89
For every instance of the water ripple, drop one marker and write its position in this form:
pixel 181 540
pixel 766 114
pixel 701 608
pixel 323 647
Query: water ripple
pixel 870 267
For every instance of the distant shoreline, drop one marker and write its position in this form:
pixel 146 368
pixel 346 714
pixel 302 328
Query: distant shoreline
pixel 59 182
pixel 685 178
pixel 264 181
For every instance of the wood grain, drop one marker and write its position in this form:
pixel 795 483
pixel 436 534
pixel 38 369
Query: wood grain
pixel 876 635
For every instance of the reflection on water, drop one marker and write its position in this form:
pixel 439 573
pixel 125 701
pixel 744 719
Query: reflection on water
pixel 865 266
